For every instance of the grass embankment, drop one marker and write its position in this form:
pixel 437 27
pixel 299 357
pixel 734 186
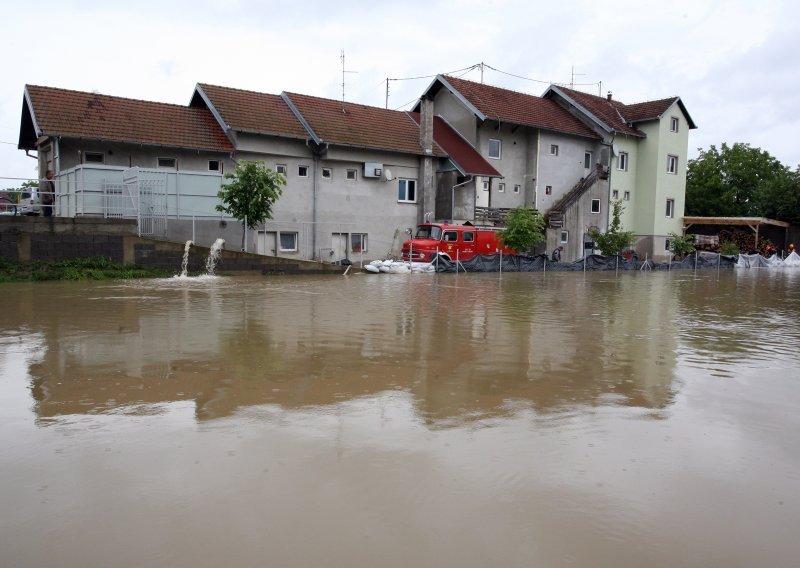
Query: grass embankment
pixel 95 268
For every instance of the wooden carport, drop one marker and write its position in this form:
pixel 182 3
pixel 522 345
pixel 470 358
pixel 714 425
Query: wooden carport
pixel 753 222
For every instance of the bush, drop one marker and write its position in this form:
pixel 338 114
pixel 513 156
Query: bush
pixel 729 248
pixel 681 246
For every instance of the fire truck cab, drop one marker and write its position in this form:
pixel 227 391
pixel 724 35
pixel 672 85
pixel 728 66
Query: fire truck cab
pixel 451 242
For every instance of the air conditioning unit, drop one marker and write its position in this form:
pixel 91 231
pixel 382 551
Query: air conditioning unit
pixel 373 170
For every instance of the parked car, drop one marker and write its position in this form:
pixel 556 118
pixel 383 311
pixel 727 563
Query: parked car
pixel 7 207
pixel 29 202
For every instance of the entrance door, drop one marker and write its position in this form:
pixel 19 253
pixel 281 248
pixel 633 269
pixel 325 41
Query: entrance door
pixel 266 243
pixel 339 246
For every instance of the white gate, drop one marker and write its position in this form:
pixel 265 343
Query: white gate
pixel 147 192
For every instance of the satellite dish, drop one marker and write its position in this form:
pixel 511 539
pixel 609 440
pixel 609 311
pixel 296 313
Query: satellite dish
pixel 615 150
pixel 387 174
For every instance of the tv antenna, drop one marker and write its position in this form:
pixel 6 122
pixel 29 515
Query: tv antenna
pixel 343 74
pixel 572 78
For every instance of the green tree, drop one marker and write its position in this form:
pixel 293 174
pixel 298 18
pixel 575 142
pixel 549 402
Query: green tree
pixel 780 198
pixel 681 246
pixel 730 181
pixel 250 196
pixel 615 240
pixel 524 229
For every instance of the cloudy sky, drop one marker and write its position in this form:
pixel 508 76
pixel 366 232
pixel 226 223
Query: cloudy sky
pixel 735 64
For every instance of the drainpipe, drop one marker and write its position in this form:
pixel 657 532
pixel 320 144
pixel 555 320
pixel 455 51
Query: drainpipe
pixel 314 207
pixel 536 180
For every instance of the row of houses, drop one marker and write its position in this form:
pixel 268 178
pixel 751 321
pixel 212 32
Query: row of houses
pixel 359 176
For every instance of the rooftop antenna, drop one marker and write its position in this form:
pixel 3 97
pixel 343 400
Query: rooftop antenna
pixel 572 79
pixel 343 72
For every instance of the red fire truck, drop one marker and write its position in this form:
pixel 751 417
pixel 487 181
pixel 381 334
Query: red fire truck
pixel 451 242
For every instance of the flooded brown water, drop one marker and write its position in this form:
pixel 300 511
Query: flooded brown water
pixel 646 419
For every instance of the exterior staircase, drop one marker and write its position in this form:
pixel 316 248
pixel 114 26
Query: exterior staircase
pixel 555 215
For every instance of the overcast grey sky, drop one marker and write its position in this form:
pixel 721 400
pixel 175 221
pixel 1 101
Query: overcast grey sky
pixel 734 63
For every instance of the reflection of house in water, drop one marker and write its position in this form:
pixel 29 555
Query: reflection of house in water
pixel 463 348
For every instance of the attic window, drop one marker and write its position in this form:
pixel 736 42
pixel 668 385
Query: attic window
pixel 327 173
pixel 214 165
pixel 352 174
pixel 94 157
pixel 554 149
pixel 494 148
pixel 673 124
pixel 302 171
pixel 281 169
pixel 548 190
pixel 167 162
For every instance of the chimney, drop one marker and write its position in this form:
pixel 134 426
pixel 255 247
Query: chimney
pixel 608 96
pixel 426 124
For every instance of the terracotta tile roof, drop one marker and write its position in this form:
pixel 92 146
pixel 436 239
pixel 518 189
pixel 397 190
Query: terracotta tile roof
pixel 611 113
pixel 519 108
pixel 461 152
pixel 77 114
pixel 650 110
pixel 361 126
pixel 249 111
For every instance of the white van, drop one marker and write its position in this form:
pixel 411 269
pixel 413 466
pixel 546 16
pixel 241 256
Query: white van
pixel 29 202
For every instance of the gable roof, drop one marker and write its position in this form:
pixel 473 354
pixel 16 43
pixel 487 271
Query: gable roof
pixel 513 107
pixel 249 111
pixel 48 111
pixel 360 126
pixel 463 155
pixel 616 116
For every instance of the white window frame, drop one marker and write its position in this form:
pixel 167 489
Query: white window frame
pixel 329 171
pixel 300 169
pixel 672 164
pixel 499 149
pixel 351 174
pixel 548 190
pixel 614 194
pixel 517 187
pixel 405 182
pixel 597 201
pixel 587 160
pixel 564 237
pixel 280 241
pixel 86 159
pixel 364 241
pixel 670 210
pixel 501 187
pixel 622 161
pixel 485 186
pixel 626 196
pixel 281 169
pixel 554 149
pixel 174 165
pixel 674 123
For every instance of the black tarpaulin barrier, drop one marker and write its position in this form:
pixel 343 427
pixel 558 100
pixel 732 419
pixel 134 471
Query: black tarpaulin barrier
pixel 594 262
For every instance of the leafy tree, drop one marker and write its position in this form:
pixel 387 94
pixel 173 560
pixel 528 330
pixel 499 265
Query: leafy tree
pixel 251 194
pixel 681 246
pixel 524 229
pixel 615 240
pixel 780 198
pixel 730 181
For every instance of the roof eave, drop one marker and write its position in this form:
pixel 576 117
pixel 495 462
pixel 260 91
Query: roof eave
pixel 143 143
pixel 299 116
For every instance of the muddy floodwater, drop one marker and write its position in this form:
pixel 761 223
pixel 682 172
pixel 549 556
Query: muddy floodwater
pixel 536 420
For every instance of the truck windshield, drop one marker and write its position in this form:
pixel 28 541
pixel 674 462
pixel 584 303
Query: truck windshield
pixel 429 232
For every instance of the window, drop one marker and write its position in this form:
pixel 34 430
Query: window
pixel 673 124
pixel 667 244
pixel 327 173
pixel 554 149
pixel 564 237
pixel 595 206
pixel 548 190
pixel 622 161
pixel 214 165
pixel 352 175
pixel 670 208
pixel 407 190
pixel 672 164
pixel 615 194
pixel 94 157
pixel 468 236
pixel 494 148
pixel 626 196
pixel 450 237
pixel 358 242
pixel 281 169
pixel 166 162
pixel 587 160
pixel 302 171
pixel 486 186
pixel 288 242
pixel 501 187
pixel 516 188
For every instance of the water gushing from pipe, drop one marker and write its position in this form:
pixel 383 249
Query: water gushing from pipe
pixel 213 256
pixel 185 261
